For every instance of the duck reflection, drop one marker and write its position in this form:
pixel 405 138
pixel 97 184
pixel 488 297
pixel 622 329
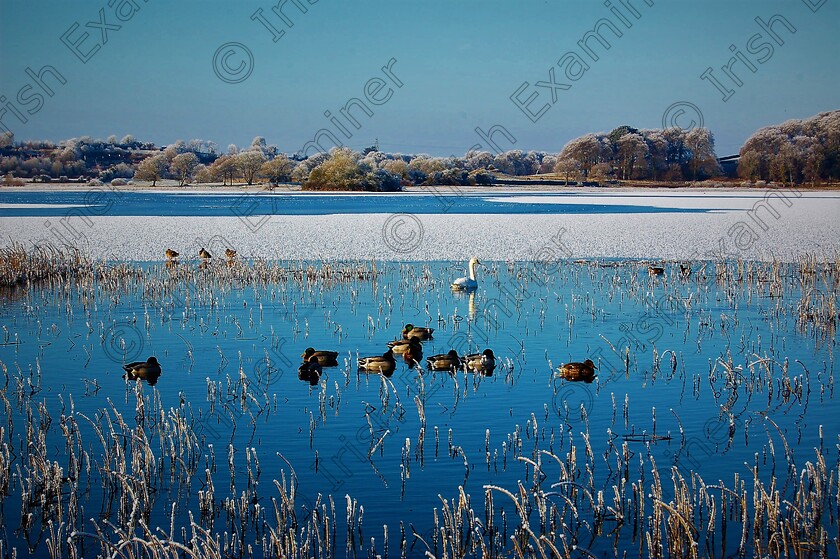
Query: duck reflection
pixel 310 371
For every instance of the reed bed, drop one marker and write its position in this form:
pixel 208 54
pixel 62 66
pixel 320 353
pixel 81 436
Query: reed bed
pixel 140 479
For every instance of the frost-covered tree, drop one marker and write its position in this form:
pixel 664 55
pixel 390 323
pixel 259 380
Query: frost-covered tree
pixel 278 170
pixel 587 150
pixel 811 157
pixel 631 154
pixel 118 171
pixel 602 171
pixel 548 163
pixel 701 153
pixel 396 167
pixel 7 139
pixel 225 168
pixel 71 152
pixel 152 168
pixel 340 171
pixel 567 167
pixel 749 165
pixel 250 162
pixel 305 167
pixel 203 174
pixel 427 165
pixel 795 150
pixel 516 162
pixel 676 152
pixel 183 166
pixel 478 160
pixel 657 152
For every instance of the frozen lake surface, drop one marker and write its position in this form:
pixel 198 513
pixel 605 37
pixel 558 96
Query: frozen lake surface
pixel 444 225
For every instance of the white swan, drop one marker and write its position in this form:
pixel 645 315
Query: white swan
pixel 464 284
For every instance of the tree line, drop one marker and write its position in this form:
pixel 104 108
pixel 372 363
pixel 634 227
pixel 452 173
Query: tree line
pixel 793 152
pixel 796 151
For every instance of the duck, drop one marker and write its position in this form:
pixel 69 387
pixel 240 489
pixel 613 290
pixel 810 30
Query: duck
pixel 444 361
pixel 578 371
pixel 324 358
pixel 384 363
pixel 230 253
pixel 148 370
pixel 401 346
pixel 171 254
pixel 467 283
pixel 204 254
pixel 483 362
pixel 656 270
pixel 422 332
pixel 310 370
pixel 413 354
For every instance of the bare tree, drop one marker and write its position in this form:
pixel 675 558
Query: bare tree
pixel 632 151
pixel 183 166
pixel 701 152
pixel 278 169
pixel 225 168
pixel 567 167
pixel 586 150
pixel 250 163
pixel 152 169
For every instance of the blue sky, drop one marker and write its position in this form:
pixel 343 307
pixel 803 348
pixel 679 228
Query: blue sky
pixel 459 61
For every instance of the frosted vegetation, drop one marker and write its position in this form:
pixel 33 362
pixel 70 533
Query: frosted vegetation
pixel 794 152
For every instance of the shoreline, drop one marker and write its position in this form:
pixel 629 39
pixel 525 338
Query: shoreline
pixel 438 190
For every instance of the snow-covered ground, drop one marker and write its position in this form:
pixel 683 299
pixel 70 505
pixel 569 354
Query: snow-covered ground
pixel 784 229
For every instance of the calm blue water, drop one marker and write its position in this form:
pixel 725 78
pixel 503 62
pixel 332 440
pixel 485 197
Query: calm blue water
pixel 110 202
pixel 534 318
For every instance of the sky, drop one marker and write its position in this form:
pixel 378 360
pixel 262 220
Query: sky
pixel 228 71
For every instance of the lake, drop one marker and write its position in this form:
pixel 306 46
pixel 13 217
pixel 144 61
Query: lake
pixel 714 389
pixel 113 202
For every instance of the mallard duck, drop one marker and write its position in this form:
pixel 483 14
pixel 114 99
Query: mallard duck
pixel 467 283
pixel 310 371
pixel 204 254
pixel 481 362
pixel 413 354
pixel 422 332
pixel 171 254
pixel 325 358
pixel 148 370
pixel 230 253
pixel 444 361
pixel 401 346
pixel 384 363
pixel 578 371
